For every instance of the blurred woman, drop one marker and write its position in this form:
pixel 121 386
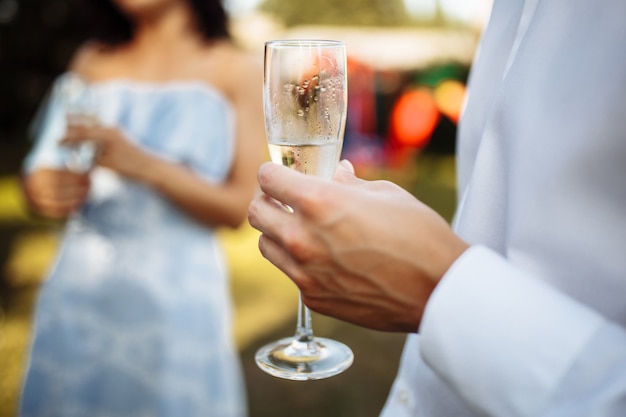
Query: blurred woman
pixel 135 316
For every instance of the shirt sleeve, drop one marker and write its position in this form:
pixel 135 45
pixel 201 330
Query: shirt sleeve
pixel 511 345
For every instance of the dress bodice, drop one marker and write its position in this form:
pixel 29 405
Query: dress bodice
pixel 187 122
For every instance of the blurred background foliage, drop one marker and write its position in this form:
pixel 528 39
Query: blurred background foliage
pixel 331 12
pixel 406 88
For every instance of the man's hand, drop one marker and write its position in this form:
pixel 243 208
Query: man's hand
pixel 366 252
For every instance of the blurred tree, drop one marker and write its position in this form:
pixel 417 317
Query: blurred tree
pixel 338 12
pixel 439 17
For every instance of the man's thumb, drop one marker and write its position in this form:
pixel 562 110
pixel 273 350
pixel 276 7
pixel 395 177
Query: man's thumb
pixel 345 173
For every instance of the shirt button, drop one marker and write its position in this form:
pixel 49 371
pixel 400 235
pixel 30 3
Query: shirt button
pixel 403 397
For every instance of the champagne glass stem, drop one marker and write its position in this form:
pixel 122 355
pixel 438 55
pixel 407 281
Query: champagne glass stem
pixel 304 329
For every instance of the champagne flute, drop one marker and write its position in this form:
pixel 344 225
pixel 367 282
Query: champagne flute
pixel 80 110
pixel 305 99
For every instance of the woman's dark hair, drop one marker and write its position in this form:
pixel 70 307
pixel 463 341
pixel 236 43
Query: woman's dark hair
pixel 104 22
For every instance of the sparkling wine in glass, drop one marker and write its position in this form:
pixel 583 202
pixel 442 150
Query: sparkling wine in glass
pixel 305 99
pixel 80 109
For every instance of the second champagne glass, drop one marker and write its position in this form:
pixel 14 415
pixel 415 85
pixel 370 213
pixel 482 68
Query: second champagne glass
pixel 80 109
pixel 305 104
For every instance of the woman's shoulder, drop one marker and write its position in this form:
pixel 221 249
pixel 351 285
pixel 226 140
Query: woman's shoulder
pixel 90 59
pixel 233 59
pixel 230 50
pixel 238 69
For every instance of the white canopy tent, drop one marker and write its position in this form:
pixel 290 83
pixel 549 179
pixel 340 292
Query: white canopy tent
pixel 381 48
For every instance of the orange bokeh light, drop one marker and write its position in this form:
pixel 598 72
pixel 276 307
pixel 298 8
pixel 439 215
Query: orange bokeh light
pixel 449 96
pixel 414 118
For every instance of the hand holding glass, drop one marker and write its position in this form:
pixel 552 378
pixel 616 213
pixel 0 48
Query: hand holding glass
pixel 305 104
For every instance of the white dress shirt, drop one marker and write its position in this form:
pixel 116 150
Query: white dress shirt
pixel 531 320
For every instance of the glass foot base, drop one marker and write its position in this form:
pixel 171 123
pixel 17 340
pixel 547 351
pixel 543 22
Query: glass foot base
pixel 302 361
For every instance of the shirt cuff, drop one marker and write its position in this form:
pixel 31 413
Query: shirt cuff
pixel 500 337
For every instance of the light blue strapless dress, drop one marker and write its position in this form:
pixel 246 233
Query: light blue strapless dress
pixel 135 316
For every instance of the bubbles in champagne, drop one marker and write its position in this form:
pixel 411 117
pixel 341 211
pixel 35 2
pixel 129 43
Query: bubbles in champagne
pixel 320 158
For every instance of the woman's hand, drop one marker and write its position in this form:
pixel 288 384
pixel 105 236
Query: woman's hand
pixel 114 150
pixel 55 193
pixel 366 252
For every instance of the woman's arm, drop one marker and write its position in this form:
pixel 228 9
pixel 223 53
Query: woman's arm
pixel 49 188
pixel 213 204
pixel 226 203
